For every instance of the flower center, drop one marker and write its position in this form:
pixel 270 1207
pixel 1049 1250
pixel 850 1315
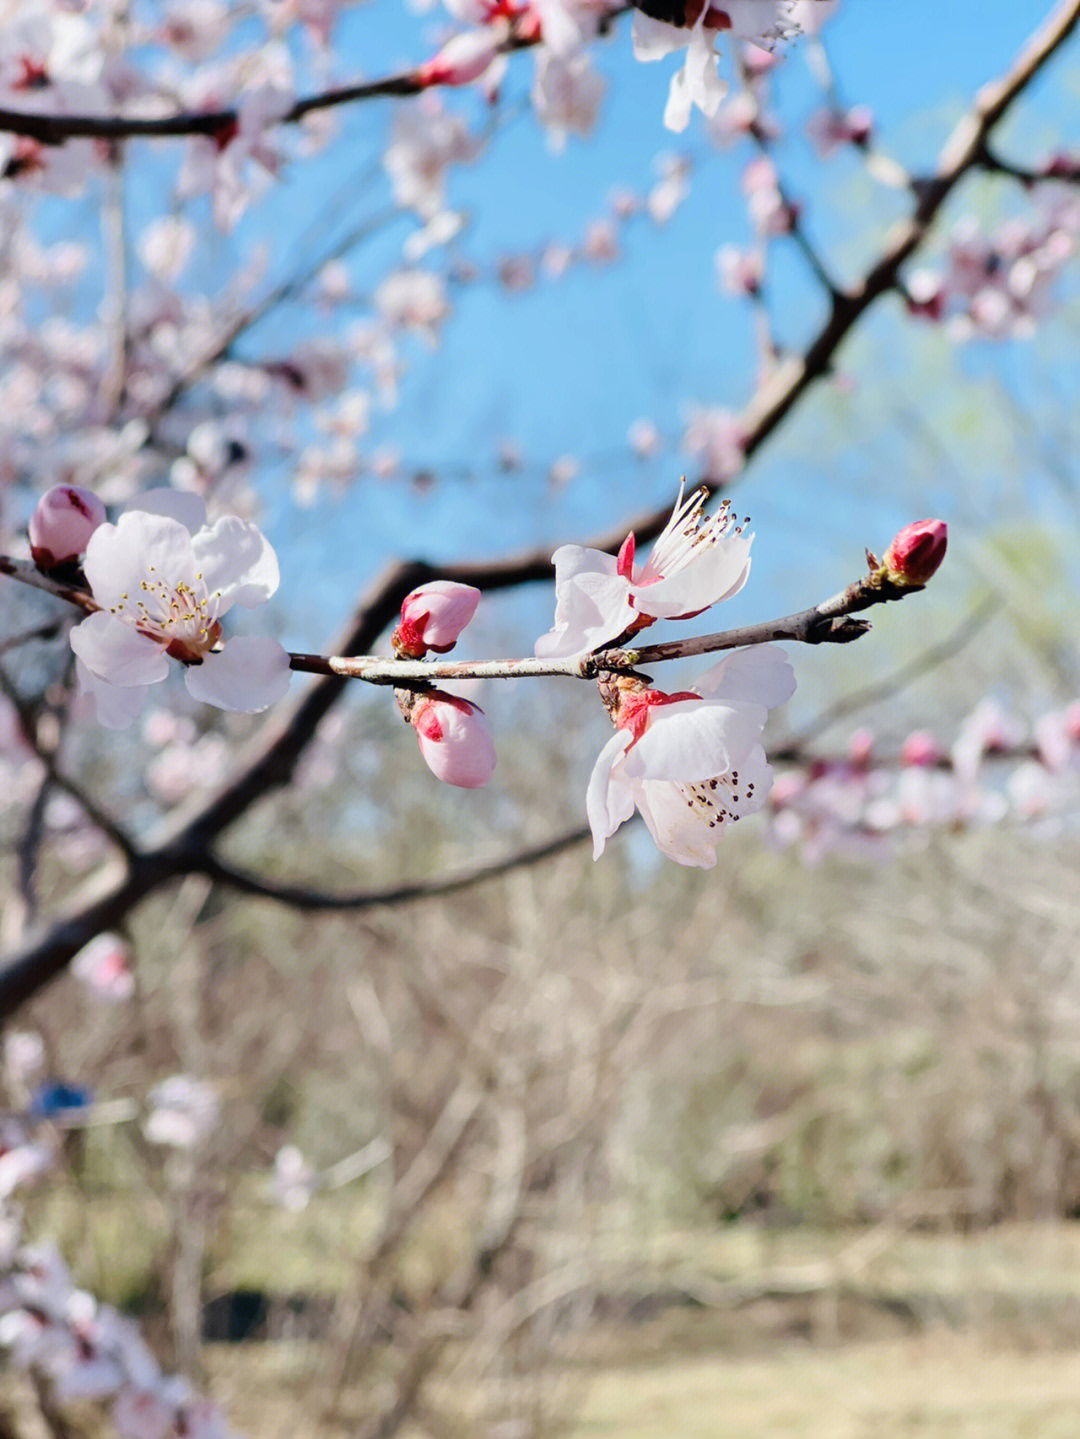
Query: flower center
pixel 715 801
pixel 179 615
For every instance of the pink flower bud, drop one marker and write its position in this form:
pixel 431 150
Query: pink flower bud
pixel 454 740
pixel 463 58
pixel 920 750
pixel 62 523
pixel 433 616
pixel 916 552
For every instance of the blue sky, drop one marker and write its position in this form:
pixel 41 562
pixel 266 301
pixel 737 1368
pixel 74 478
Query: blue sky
pixel 568 366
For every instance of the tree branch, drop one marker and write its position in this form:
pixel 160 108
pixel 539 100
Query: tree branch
pixel 184 845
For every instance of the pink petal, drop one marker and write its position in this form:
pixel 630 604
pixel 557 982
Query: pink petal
pixel 234 557
pixel 678 831
pixel 249 674
pixel 762 675
pixel 114 705
pixel 694 740
pixel 118 653
pixel 138 547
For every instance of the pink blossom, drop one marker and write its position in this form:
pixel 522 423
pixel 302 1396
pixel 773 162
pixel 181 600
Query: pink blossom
pixel 566 95
pixel 164 578
pixel 770 212
pixel 741 272
pixel 716 439
pixel 695 563
pixel 1057 736
pixel 831 128
pixel 60 528
pixel 690 762
pixel 454 740
pixel 433 616
pixel 920 748
pixel 464 58
pixel 698 82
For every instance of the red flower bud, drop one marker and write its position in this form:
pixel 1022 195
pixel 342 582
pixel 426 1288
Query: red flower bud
pixel 433 616
pixel 916 552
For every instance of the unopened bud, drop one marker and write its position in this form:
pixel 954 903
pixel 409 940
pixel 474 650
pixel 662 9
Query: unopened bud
pixel 433 616
pixel 454 740
pixel 463 58
pixel 920 750
pixel 65 518
pixel 915 553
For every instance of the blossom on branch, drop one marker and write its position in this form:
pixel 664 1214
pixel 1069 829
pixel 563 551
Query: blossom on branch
pixel 690 762
pixel 433 617
pixel 63 521
pixel 915 554
pixel 698 82
pixel 454 739
pixel 695 563
pixel 163 579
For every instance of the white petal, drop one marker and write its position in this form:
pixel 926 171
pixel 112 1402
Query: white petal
pixel 115 705
pixel 249 674
pixel 117 653
pixel 679 103
pixel 607 802
pixel 592 607
pixel 235 558
pixel 653 39
pixel 719 573
pixel 679 830
pixel 140 546
pixel 183 506
pixel 761 675
pixel 694 740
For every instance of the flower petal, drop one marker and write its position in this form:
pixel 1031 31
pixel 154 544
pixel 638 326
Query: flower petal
pixel 761 675
pixel 115 705
pixel 235 559
pixel 249 674
pixel 694 740
pixel 653 39
pixel 607 802
pixel 118 653
pixel 720 573
pixel 183 506
pixel 140 546
pixel 678 830
pixel 593 607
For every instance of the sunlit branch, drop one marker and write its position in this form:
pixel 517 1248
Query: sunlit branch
pixel 826 623
pixel 28 574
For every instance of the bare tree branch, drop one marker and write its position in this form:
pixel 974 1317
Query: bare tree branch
pixel 185 843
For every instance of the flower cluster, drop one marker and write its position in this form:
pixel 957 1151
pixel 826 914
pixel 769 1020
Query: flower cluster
pixel 79 1348
pixel 600 598
pixel 861 802
pixel 690 762
pixel 162 579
